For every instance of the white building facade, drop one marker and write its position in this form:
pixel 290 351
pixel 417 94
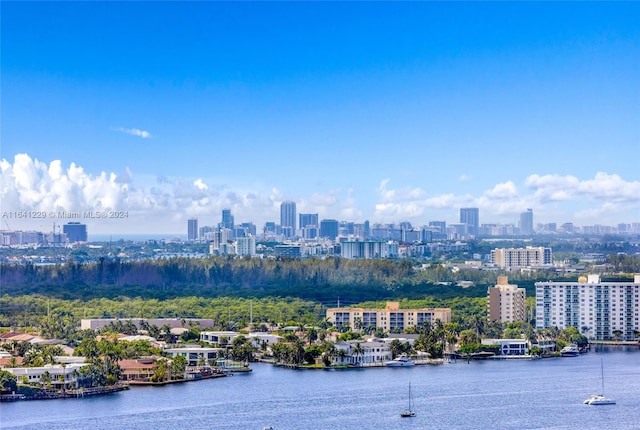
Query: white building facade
pixel 516 258
pixel 599 310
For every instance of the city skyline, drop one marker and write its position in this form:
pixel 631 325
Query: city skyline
pixel 364 111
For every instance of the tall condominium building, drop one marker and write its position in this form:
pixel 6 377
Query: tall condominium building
pixel 599 310
pixel 75 232
pixel 471 217
pixel 329 228
pixel 368 249
pixel 308 220
pixel 515 258
pixel 526 222
pixel 227 219
pixel 506 302
pixel 246 246
pixel 309 225
pixel 441 227
pixel 288 218
pixel 390 319
pixel 192 229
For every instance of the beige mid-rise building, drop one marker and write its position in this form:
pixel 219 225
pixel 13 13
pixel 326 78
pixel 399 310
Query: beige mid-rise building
pixel 390 319
pixel 506 302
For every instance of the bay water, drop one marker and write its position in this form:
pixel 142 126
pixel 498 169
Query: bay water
pixel 483 394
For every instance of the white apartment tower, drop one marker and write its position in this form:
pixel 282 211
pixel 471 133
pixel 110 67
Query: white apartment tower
pixel 599 310
pixel 515 258
pixel 246 246
pixel 506 302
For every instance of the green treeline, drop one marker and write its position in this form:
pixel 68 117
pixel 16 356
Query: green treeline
pixel 326 280
pixel 59 318
pixel 323 280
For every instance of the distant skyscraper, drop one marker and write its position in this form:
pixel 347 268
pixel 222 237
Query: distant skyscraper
pixel 288 218
pixel 308 220
pixel 441 226
pixel 227 219
pixel 526 222
pixel 192 229
pixel 329 228
pixel 471 217
pixel 75 232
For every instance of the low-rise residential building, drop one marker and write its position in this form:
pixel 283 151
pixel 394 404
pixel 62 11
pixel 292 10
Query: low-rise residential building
pixel 140 369
pixel 98 323
pixel 196 355
pixel 60 376
pixel 509 346
pixel 361 353
pixel 599 310
pixel 259 339
pixel 390 319
pixel 220 338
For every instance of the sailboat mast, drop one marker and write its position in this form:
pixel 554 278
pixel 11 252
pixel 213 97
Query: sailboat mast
pixel 602 374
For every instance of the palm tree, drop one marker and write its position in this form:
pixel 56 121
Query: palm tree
pixel 357 351
pixel 342 354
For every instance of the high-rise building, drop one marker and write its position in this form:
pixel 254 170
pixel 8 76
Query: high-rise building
pixel 246 246
pixel 227 219
pixel 309 225
pixel 599 310
pixel 192 229
pixel 470 217
pixel 526 223
pixel 329 228
pixel 515 258
pixel 308 220
pixel 75 232
pixel 357 249
pixel 506 302
pixel 288 218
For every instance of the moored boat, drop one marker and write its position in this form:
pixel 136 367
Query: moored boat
pixel 400 361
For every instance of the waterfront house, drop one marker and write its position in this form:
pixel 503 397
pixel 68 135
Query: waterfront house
pixel 361 353
pixel 60 376
pixel 220 338
pixel 509 346
pixel 137 370
pixel 197 355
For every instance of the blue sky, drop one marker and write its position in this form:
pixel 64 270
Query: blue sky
pixel 382 111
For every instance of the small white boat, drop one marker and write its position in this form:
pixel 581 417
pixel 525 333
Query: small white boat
pixel 570 351
pixel 600 399
pixel 400 361
pixel 410 411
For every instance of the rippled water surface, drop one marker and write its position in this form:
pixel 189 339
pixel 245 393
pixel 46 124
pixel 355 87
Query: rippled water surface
pixel 497 394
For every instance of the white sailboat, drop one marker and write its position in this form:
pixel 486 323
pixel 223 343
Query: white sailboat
pixel 410 412
pixel 600 399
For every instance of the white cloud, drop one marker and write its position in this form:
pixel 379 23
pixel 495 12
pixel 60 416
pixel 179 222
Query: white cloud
pixel 603 187
pixel 134 132
pixel 162 204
